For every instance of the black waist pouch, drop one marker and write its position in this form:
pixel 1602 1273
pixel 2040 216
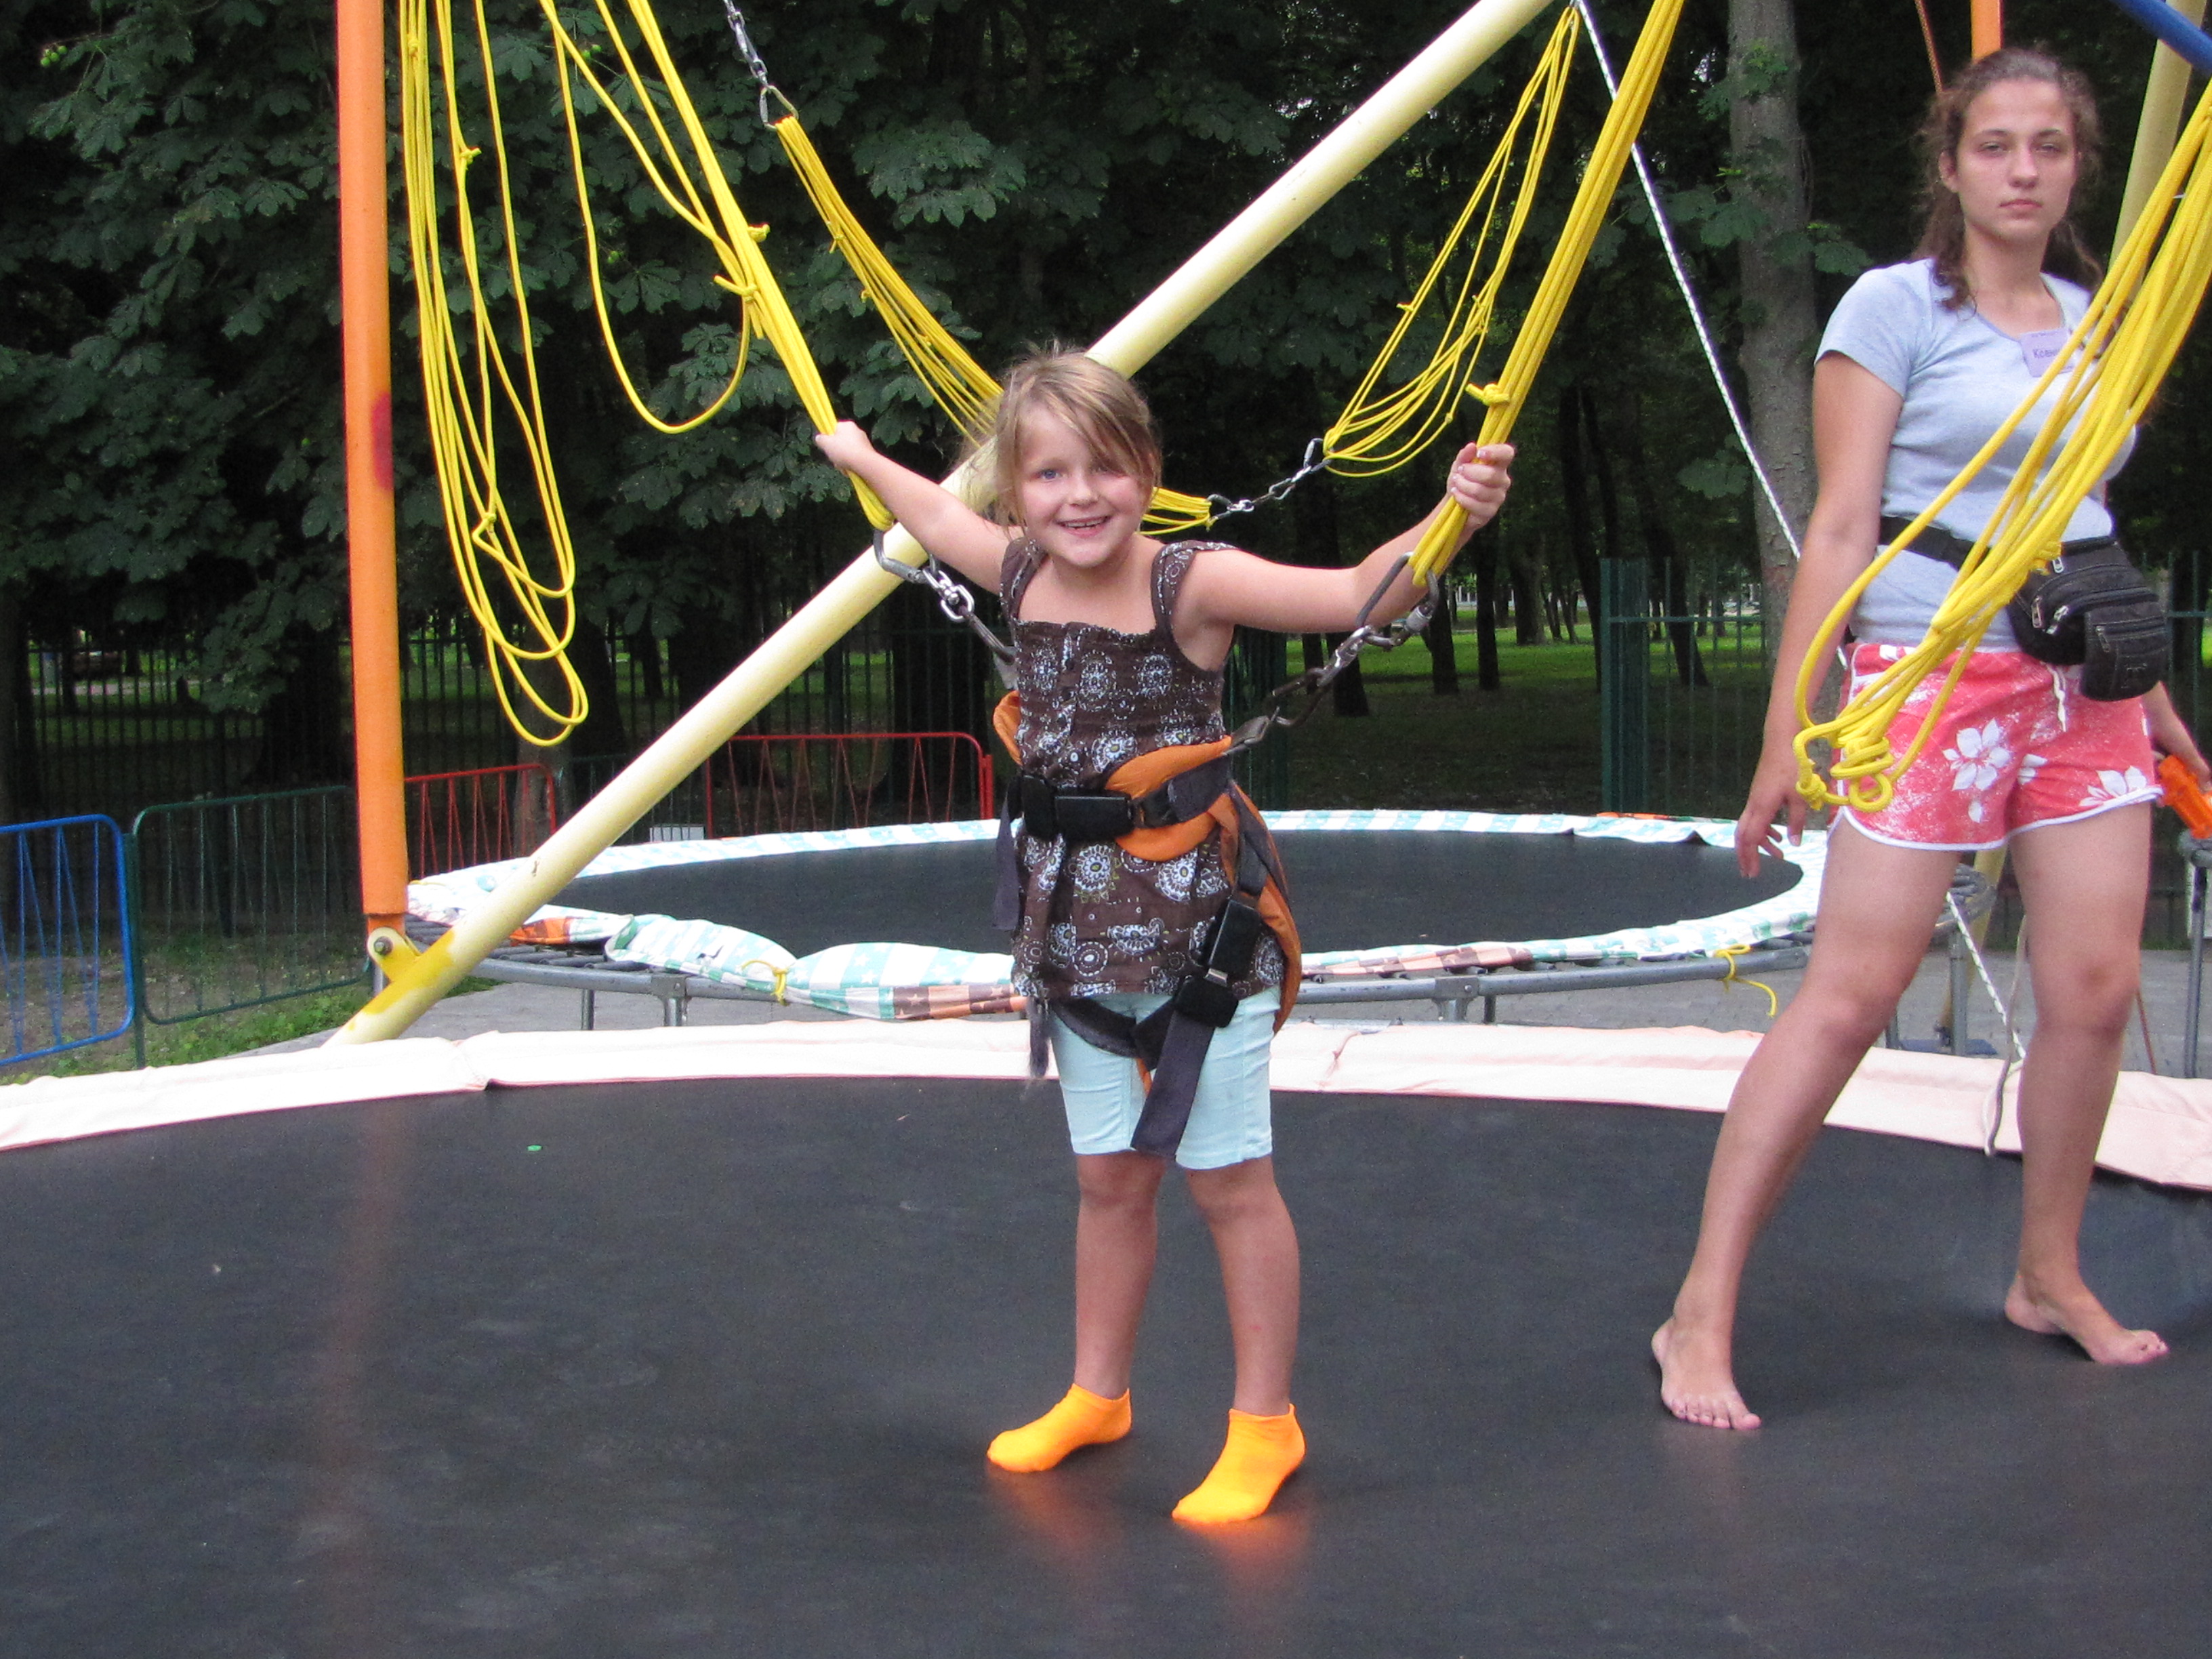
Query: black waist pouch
pixel 2090 608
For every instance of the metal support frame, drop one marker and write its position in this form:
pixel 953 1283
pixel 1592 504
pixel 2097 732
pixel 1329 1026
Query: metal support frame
pixel 2197 854
pixel 1454 994
pixel 2172 29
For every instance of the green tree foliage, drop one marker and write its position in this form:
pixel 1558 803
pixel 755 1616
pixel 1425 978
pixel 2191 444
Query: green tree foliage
pixel 169 354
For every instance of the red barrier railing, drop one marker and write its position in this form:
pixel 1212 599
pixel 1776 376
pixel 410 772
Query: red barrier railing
pixel 847 781
pixel 455 819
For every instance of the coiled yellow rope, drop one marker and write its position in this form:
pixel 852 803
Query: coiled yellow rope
pixel 1380 431
pixel 527 615
pixel 2111 368
pixel 1593 198
pixel 465 405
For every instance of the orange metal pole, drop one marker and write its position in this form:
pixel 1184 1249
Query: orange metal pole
pixel 1988 26
pixel 365 299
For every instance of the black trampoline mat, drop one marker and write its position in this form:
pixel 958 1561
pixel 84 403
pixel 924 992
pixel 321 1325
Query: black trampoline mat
pixel 707 1369
pixel 1352 890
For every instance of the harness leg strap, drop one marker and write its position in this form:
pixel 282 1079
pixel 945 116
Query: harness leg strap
pixel 1174 1087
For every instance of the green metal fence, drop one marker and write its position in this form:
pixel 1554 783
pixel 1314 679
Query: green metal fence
pixel 65 947
pixel 1683 698
pixel 243 901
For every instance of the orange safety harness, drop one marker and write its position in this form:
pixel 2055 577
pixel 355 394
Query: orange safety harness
pixel 1157 806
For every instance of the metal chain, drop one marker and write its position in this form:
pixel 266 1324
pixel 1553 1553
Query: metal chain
pixel 1315 461
pixel 1306 689
pixel 755 63
pixel 953 599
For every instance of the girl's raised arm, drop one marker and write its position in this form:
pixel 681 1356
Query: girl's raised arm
pixel 955 531
pixel 1235 590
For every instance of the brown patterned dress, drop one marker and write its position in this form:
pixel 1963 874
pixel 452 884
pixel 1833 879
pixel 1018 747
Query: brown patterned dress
pixel 1096 919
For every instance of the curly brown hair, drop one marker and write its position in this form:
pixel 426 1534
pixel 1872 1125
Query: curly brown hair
pixel 1943 231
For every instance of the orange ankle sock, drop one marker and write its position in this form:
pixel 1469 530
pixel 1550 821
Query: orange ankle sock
pixel 1081 1419
pixel 1260 1453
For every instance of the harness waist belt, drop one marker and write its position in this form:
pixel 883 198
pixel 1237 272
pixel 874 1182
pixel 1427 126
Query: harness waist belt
pixel 1051 811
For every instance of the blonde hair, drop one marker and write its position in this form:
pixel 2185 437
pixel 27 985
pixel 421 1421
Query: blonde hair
pixel 1102 404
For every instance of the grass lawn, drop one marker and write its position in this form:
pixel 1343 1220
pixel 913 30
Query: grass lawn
pixel 1533 745
pixel 213 1037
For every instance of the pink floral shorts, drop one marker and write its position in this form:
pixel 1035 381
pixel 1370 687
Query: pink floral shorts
pixel 2018 746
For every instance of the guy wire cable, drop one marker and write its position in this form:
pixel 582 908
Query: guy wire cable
pixel 1680 268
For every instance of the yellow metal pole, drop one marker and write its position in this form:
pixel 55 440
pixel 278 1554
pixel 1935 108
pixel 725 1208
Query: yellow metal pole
pixel 417 981
pixel 365 304
pixel 2164 100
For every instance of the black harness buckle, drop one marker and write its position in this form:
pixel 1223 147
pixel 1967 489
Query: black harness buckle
pixel 1049 811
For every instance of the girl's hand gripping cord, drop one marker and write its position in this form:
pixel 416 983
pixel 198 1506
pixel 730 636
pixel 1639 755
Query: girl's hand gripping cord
pixel 1479 482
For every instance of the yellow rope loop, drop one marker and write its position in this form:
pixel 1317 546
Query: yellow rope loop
pixel 2100 385
pixel 1173 514
pixel 1382 430
pixel 1730 953
pixel 1593 198
pixel 484 395
pixel 960 384
pixel 473 394
pixel 781 976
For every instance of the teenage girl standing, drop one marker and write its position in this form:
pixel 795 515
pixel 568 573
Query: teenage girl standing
pixel 1921 363
pixel 1120 641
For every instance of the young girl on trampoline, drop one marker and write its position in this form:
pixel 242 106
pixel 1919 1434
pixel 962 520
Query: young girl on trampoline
pixel 1920 364
pixel 1120 643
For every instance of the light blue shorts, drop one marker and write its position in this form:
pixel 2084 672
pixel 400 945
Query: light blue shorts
pixel 1229 1120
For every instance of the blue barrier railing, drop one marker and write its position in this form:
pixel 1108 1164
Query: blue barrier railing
pixel 65 947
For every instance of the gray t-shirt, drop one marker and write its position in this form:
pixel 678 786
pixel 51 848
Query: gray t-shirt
pixel 1960 379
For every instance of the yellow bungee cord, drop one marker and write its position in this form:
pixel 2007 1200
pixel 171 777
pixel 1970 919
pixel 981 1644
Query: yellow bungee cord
pixel 962 386
pixel 1372 435
pixel 1380 431
pixel 2105 378
pixel 1593 198
pixel 465 404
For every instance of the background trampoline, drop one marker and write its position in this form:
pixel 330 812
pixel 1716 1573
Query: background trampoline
pixel 894 922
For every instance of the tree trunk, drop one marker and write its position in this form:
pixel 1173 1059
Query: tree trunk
pixel 303 724
pixel 1521 564
pixel 1669 564
pixel 1486 674
pixel 1776 266
pixel 1443 656
pixel 14 709
pixel 603 731
pixel 1317 541
pixel 645 652
pixel 1575 490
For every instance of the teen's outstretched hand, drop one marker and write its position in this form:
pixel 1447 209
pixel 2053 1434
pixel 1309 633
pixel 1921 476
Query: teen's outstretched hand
pixel 1772 808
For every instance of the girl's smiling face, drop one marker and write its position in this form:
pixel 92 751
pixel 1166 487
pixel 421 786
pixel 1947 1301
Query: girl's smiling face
pixel 1080 508
pixel 2013 169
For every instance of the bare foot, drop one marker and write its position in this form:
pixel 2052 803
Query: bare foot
pixel 1696 1383
pixel 2082 1318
